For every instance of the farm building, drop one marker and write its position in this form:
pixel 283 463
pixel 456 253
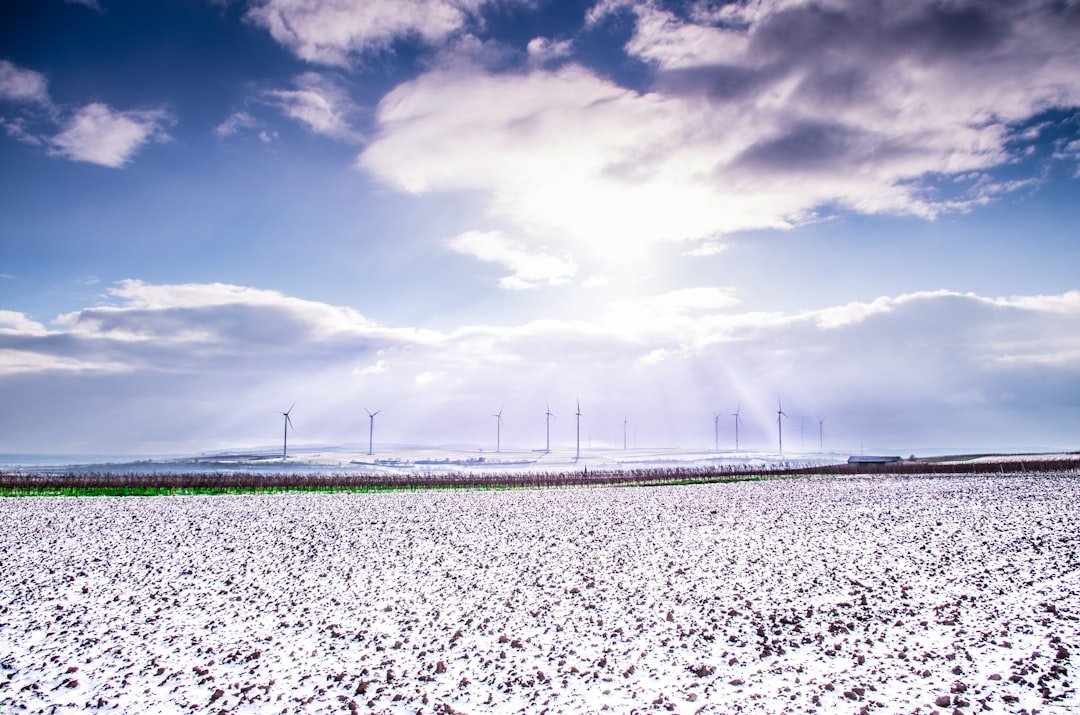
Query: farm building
pixel 871 459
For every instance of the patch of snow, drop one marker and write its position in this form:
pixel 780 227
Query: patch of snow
pixel 811 595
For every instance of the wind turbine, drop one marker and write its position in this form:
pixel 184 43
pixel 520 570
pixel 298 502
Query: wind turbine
pixel 821 433
pixel 371 427
pixel 735 414
pixel 288 424
pixel 780 425
pixel 716 430
pixel 548 415
pixel 577 454
pixel 626 421
pixel 498 429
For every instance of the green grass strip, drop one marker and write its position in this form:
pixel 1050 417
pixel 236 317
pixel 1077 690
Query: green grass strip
pixel 153 491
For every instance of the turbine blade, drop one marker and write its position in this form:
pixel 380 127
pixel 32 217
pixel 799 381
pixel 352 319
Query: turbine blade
pixel 290 408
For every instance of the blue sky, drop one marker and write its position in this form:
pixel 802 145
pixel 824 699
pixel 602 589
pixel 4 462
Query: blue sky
pixel 209 210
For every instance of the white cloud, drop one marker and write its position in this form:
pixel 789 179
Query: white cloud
pixel 530 268
pixel 544 49
pixel 334 31
pixel 657 356
pixel 18 322
pixel 708 248
pixel 662 38
pixel 764 123
pixel 144 312
pixel 18 84
pixel 1070 151
pixel 508 135
pixel 378 368
pixel 235 123
pixel 101 135
pixel 23 362
pixel 319 104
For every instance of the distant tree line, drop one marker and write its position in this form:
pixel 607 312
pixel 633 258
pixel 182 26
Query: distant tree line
pixel 45 482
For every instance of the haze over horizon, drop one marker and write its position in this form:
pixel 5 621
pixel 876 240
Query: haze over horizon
pixel 212 209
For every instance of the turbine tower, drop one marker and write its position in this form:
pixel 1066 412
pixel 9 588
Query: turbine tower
pixel 716 431
pixel 288 424
pixel 821 433
pixel 735 414
pixel 577 453
pixel 626 421
pixel 780 425
pixel 548 415
pixel 371 428
pixel 498 429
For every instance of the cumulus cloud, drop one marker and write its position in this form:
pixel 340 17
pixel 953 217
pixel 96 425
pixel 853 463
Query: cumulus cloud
pixel 1010 364
pixel 221 314
pixel 18 84
pixel 18 322
pixel 544 49
pixel 101 135
pixel 529 268
pixel 94 133
pixel 319 104
pixel 758 115
pixel 333 32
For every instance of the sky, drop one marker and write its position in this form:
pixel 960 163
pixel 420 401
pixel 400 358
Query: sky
pixel 440 209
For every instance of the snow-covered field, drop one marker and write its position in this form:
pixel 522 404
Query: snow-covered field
pixel 828 595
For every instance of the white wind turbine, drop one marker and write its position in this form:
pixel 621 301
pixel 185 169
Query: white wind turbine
pixel 821 433
pixel 371 428
pixel 780 425
pixel 626 421
pixel 288 424
pixel 577 454
pixel 738 419
pixel 498 429
pixel 547 424
pixel 716 431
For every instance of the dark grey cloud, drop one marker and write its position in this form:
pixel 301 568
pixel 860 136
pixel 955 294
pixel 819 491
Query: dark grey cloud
pixel 811 145
pixel 721 83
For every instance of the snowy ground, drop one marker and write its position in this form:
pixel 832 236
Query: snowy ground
pixel 1016 460
pixel 814 595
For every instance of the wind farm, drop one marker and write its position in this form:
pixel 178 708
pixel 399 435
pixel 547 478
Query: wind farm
pixel 565 454
pixel 544 449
